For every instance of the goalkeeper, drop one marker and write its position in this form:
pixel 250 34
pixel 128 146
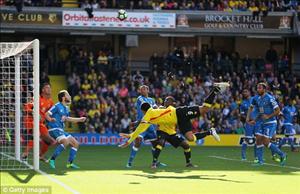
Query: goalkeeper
pixel 180 116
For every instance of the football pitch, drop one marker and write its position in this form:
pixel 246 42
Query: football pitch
pixel 220 171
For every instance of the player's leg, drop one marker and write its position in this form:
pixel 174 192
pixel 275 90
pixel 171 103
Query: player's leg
pixel 273 154
pixel 159 144
pixel 244 149
pixel 151 136
pixel 217 89
pixel 73 151
pixel 290 132
pixel 63 142
pixel 46 141
pixel 192 137
pixel 187 153
pixel 257 130
pixel 29 145
pixel 248 139
pixel 269 132
pixel 284 140
pixel 43 149
pixel 134 149
pixel 259 149
pixel 185 114
pixel 291 141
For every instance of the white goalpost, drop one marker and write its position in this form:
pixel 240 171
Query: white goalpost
pixel 19 105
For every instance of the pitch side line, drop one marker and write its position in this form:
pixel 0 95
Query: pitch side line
pixel 268 164
pixel 46 175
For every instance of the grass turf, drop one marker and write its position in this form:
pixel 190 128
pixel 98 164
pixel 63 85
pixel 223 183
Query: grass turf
pixel 103 171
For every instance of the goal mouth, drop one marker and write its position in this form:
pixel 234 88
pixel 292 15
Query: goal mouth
pixel 19 105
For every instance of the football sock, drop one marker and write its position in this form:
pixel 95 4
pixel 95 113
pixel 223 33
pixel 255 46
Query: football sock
pixel 244 147
pixel 187 154
pixel 156 154
pixel 133 152
pixel 255 151
pixel 291 142
pixel 58 151
pixel 72 155
pixel 202 134
pixel 260 152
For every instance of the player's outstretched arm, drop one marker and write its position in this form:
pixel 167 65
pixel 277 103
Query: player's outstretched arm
pixel 131 137
pixel 74 119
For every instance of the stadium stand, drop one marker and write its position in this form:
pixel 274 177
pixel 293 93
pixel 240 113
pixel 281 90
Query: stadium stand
pixel 106 101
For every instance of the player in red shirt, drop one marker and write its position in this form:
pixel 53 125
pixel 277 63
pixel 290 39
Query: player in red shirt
pixel 45 104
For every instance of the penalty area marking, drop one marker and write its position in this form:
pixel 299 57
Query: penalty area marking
pixel 268 164
pixel 46 175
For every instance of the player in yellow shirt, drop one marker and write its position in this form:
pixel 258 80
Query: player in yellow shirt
pixel 180 116
pixel 168 133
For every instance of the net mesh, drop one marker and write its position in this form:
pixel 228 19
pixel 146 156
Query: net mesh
pixel 12 88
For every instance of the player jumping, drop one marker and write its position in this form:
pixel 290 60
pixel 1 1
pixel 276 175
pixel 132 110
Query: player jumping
pixel 56 118
pixel 180 116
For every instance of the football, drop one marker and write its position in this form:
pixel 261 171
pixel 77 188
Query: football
pixel 122 14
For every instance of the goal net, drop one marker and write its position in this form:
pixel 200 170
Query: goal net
pixel 19 105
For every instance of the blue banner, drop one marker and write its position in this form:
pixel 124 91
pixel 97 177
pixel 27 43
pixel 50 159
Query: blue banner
pixel 98 139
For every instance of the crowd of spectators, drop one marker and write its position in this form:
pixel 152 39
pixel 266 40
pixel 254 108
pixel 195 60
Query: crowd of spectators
pixel 216 5
pixel 106 92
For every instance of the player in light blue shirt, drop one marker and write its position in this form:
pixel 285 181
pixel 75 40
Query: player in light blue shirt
pixel 288 113
pixel 268 109
pixel 150 133
pixel 56 117
pixel 249 132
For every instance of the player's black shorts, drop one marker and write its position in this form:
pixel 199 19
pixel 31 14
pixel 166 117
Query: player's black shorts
pixel 175 140
pixel 184 116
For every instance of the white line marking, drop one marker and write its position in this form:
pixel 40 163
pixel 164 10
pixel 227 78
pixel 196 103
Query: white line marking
pixel 46 175
pixel 268 164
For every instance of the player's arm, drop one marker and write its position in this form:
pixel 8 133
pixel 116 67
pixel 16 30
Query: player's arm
pixel 242 112
pixel 276 112
pixel 276 109
pixel 50 112
pixel 248 119
pixel 140 129
pixel 74 119
pixel 143 126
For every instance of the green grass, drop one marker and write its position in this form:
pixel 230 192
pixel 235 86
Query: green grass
pixel 103 171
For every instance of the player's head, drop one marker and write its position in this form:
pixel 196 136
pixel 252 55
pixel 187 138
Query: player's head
pixel 169 101
pixel 144 90
pixel 45 89
pixel 64 97
pixel 246 93
pixel 145 106
pixel 261 88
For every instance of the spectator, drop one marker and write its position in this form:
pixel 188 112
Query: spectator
pixel 271 55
